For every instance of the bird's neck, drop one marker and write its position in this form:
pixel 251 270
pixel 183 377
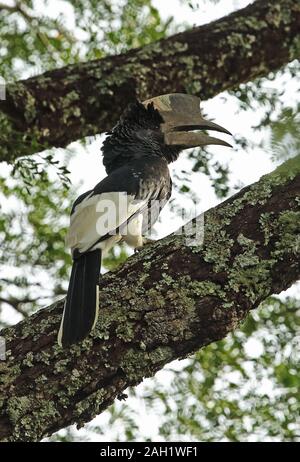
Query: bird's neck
pixel 118 152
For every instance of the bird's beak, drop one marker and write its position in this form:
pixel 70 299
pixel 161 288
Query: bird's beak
pixel 182 120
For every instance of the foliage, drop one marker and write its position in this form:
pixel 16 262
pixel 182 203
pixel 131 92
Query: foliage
pixel 285 133
pixel 215 170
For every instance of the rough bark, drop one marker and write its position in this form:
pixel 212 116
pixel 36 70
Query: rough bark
pixel 67 104
pixel 164 303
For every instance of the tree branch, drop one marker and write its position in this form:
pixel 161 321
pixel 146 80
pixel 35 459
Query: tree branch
pixel 67 104
pixel 164 303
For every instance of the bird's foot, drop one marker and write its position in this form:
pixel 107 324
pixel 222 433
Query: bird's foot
pixel 146 242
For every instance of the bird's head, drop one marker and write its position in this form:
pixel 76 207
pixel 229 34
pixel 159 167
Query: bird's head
pixel 164 125
pixel 183 122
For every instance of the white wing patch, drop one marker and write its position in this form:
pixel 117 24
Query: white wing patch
pixel 133 236
pixel 102 214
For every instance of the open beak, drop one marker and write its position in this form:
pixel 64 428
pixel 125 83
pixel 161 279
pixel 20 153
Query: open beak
pixel 183 120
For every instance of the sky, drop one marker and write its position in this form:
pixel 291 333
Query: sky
pixel 246 167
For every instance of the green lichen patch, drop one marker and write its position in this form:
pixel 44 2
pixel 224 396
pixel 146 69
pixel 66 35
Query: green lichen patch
pixel 23 411
pixel 289 229
pixel 267 225
pixel 207 289
pixel 217 243
pixel 138 363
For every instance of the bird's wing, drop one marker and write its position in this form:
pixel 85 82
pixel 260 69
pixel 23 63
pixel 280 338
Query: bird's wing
pixel 103 213
pixel 99 216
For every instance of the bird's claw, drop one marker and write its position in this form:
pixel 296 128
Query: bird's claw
pixel 146 242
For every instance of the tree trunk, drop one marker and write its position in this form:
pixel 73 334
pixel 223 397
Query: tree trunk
pixel 164 303
pixel 67 104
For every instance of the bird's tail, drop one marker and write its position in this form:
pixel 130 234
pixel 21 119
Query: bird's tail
pixel 82 302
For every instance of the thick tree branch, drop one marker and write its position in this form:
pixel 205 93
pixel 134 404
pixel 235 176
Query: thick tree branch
pixel 67 104
pixel 164 303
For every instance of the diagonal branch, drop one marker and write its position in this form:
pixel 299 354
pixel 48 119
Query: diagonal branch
pixel 67 104
pixel 164 303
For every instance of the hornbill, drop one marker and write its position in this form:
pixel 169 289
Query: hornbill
pixel 136 154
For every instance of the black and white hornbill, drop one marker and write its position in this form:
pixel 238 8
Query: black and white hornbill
pixel 136 154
